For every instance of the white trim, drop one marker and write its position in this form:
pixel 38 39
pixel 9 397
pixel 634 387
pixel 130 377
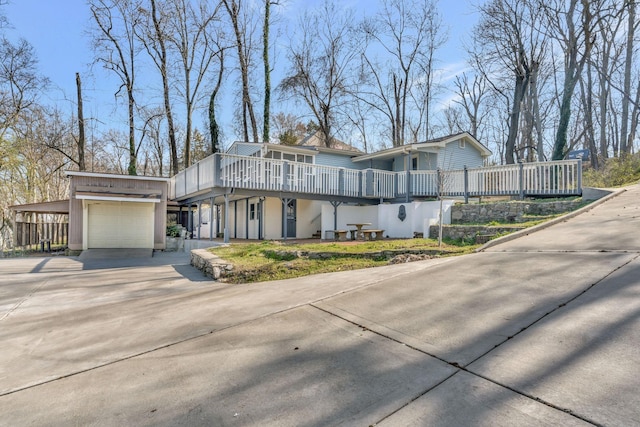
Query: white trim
pixel 116 176
pixel 116 199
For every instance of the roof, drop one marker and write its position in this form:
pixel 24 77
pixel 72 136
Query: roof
pixel 117 176
pixel 433 144
pixel 316 139
pixel 54 207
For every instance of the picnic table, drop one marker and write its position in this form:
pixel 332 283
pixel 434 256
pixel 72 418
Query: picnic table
pixel 357 233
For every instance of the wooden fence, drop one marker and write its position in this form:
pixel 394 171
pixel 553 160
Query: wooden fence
pixel 34 234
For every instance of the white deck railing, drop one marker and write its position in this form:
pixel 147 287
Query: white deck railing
pixel 271 175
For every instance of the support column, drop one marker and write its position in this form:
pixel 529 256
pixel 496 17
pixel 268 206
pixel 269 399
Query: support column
pixel 408 182
pixel 14 240
pixel 211 207
pixel 189 220
pixel 335 205
pixel 246 218
pixel 226 218
pixel 235 219
pixel 259 213
pixel 199 217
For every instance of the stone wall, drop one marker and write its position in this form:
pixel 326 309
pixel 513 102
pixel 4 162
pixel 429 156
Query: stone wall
pixel 508 211
pixel 477 233
pixel 211 265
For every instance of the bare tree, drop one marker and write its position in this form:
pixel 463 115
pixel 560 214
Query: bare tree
pixel 288 129
pixel 198 45
pixel 572 24
pixel 267 68
pixel 116 49
pixel 625 144
pixel 511 39
pixel 470 97
pixel 242 30
pixel 321 61
pixel 409 33
pixel 214 127
pixel 154 37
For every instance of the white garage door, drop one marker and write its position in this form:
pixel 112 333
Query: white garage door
pixel 120 225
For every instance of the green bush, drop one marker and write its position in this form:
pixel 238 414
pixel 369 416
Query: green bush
pixel 615 172
pixel 173 231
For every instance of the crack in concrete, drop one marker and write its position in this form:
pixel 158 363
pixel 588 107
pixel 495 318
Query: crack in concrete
pixel 23 300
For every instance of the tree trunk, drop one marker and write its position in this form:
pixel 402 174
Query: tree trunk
pixel 173 146
pixel 514 118
pixel 267 73
pixel 214 129
pixel 132 132
pixel 81 137
pixel 624 119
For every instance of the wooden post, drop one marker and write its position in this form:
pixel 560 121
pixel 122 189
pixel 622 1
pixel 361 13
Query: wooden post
pixel 466 185
pixel 211 207
pixel 521 178
pixel 226 218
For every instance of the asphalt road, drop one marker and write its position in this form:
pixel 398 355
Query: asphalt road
pixel 542 330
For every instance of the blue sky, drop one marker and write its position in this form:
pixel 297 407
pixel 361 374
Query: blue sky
pixel 57 29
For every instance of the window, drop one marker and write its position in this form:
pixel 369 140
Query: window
pixel 414 163
pixel 461 143
pixel 252 211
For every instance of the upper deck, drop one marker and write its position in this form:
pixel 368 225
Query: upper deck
pixel 221 173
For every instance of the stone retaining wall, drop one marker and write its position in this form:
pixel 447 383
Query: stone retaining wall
pixel 508 211
pixel 211 265
pixel 477 233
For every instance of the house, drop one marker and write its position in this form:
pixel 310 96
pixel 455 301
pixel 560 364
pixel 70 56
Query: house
pixel 278 191
pixel 270 191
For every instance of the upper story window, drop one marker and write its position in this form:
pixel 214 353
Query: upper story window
pixel 290 157
pixel 461 143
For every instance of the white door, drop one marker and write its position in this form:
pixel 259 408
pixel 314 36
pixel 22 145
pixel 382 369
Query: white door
pixel 120 225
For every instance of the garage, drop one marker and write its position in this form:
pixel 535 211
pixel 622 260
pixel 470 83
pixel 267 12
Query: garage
pixel 120 224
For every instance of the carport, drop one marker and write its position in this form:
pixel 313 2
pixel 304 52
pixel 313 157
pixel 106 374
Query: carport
pixel 40 224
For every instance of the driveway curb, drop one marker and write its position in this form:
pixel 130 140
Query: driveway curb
pixel 527 231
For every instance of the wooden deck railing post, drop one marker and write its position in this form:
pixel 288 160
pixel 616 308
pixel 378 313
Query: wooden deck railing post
pixel 579 172
pixel 217 170
pixel 341 183
pixel 466 185
pixel 521 179
pixel 285 176
pixel 369 183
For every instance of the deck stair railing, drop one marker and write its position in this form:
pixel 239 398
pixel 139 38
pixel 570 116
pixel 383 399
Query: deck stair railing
pixel 255 173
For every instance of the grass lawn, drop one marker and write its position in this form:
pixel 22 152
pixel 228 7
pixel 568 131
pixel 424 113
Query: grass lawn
pixel 274 260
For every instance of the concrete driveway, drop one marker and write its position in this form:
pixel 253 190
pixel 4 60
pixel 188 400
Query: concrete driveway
pixel 543 330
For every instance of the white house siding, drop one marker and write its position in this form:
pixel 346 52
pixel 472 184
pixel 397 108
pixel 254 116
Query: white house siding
pixel 419 215
pixel 454 157
pixel 272 218
pixel 308 218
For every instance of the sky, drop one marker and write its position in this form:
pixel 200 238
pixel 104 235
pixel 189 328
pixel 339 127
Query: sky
pixel 58 31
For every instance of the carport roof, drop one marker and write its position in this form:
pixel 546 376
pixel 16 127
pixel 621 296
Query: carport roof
pixel 55 207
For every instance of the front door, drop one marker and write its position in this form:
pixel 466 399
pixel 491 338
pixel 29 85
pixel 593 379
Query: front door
pixel 289 215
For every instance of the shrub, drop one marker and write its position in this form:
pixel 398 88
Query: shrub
pixel 173 231
pixel 615 172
